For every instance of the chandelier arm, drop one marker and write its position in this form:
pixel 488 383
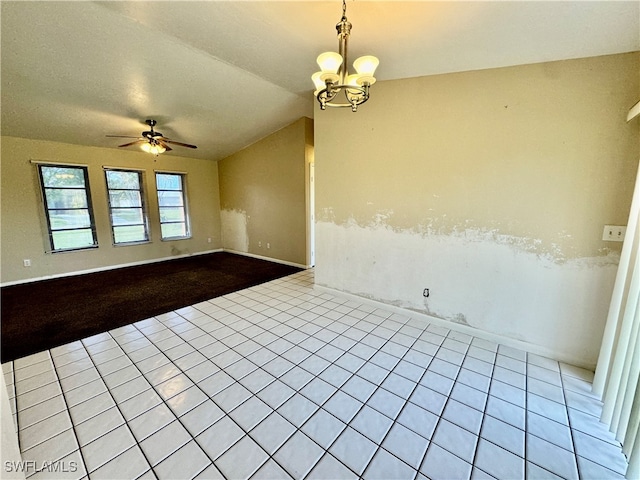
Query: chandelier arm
pixel 354 94
pixel 333 89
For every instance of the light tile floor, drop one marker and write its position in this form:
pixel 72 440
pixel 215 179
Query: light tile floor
pixel 280 381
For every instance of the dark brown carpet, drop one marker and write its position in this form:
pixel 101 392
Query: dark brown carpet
pixel 41 315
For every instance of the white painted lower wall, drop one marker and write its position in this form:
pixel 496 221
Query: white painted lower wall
pixel 482 280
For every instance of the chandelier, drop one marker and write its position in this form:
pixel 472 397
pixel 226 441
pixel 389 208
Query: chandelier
pixel 334 78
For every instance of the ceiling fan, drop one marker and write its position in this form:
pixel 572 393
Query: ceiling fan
pixel 152 141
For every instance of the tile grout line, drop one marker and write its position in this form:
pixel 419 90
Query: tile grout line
pixel 317 375
pixel 68 411
pixel 527 433
pixel 406 401
pixel 484 416
pixel 226 414
pixel 269 456
pixel 54 381
pixel 526 415
pixel 258 367
pixel 417 383
pixel 347 424
pixel 15 392
pixel 333 363
pixel 164 401
pixel 389 372
pixel 566 407
pixel 126 423
pixel 435 428
pixel 314 376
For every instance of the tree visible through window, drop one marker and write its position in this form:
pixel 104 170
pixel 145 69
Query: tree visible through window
pixel 127 207
pixel 174 222
pixel 67 201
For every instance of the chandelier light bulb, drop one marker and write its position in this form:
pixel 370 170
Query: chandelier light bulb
pixel 318 81
pixel 353 80
pixel 329 62
pixel 366 65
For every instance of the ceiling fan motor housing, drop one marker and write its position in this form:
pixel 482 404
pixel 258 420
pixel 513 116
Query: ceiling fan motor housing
pixel 151 133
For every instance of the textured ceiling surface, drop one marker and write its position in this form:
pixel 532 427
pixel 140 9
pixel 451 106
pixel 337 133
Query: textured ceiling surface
pixel 223 74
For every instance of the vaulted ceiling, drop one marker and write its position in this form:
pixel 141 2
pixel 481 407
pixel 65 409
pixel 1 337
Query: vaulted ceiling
pixel 223 74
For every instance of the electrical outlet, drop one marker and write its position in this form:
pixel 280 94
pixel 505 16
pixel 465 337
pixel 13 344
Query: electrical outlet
pixel 26 262
pixel 259 244
pixel 268 245
pixel 614 233
pixel 425 293
pixel 209 240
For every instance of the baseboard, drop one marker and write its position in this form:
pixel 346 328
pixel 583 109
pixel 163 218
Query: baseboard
pixel 500 339
pixel 269 259
pixel 107 268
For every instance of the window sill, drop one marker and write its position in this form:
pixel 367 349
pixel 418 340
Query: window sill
pixel 71 250
pixel 130 244
pixel 171 239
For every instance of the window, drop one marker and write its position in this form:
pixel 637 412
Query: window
pixel 174 222
pixel 126 207
pixel 67 202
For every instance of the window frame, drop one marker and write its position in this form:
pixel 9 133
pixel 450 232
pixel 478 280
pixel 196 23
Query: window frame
pixel 143 206
pixel 47 209
pixel 185 207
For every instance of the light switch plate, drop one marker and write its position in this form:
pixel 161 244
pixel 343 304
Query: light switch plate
pixel 614 233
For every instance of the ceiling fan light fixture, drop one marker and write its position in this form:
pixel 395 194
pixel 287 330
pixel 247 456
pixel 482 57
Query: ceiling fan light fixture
pixel 334 78
pixel 153 148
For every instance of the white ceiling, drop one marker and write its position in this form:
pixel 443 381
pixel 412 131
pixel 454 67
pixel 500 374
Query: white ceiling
pixel 223 74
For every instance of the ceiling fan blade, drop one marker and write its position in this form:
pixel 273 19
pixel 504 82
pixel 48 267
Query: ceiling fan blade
pixel 164 145
pixel 141 140
pixel 166 140
pixel 120 136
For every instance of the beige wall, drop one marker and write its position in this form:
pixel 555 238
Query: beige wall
pixel 22 230
pixel 263 197
pixel 492 189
